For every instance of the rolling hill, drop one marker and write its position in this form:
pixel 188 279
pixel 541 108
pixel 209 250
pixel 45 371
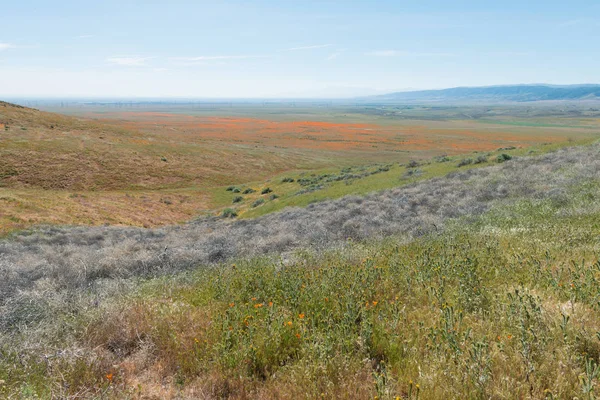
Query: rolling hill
pixel 510 93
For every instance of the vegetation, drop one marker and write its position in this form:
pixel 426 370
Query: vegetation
pixel 440 282
pixel 503 157
pixel 105 166
pixel 229 213
pixel 453 313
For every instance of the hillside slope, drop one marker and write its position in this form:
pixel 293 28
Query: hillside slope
pixel 450 287
pixel 509 93
pixel 55 152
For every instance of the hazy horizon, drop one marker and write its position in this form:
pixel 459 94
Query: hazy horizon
pixel 267 49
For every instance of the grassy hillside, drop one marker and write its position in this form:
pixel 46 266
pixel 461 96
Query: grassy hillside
pixel 482 284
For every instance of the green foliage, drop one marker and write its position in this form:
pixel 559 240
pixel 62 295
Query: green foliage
pixel 465 161
pixel 229 213
pixel 266 190
pixel 258 202
pixel 503 157
pixel 480 159
pixel 237 199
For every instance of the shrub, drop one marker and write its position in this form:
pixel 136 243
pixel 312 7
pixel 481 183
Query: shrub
pixel 480 159
pixel 230 188
pixel 236 190
pixel 229 213
pixel 413 172
pixel 465 161
pixel 258 203
pixel 412 164
pixel 273 197
pixel 503 157
pixel 266 190
pixel 442 159
pixel 248 191
pixel 286 180
pixel 237 199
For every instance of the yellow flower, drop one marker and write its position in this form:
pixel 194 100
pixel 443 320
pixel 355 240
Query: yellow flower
pixel 289 323
pixel 231 304
pixel 375 302
pixel 270 304
pixel 301 316
pixel 109 376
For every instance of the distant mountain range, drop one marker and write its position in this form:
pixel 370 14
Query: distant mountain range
pixel 509 93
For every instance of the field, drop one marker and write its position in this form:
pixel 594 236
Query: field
pixel 479 284
pixel 256 252
pixel 152 165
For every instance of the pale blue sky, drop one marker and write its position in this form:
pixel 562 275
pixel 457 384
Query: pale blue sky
pixel 291 48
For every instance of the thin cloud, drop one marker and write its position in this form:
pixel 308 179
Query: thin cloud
pixel 85 36
pixel 573 22
pixel 335 55
pixel 214 58
pixel 6 46
pixel 317 46
pixel 128 61
pixel 397 53
pixel 508 53
pixel 211 60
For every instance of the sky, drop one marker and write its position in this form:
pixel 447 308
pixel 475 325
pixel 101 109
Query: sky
pixel 284 48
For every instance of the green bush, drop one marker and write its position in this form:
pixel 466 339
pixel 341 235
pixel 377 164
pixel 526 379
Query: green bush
pixel 287 180
pixel 236 190
pixel 480 159
pixel 230 188
pixel 503 157
pixel 464 161
pixel 258 203
pixel 248 191
pixel 237 199
pixel 266 190
pixel 229 213
pixel 273 197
